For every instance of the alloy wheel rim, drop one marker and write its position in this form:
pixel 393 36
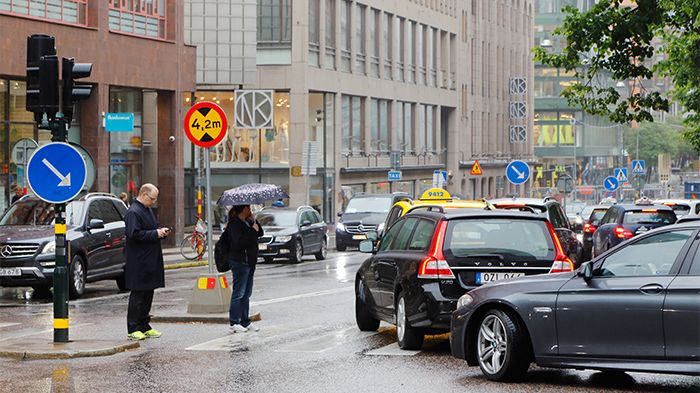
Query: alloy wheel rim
pixel 401 319
pixel 324 249
pixel 78 281
pixel 492 344
pixel 298 251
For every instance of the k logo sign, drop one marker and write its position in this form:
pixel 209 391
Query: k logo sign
pixel 255 109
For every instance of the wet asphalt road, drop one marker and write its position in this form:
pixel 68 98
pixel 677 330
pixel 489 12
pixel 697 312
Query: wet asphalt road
pixel 308 342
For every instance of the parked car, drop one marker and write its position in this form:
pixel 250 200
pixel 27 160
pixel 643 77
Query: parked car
pixel 292 233
pixel 428 259
pixel 634 308
pixel 95 235
pixel 625 221
pixel 682 207
pixel 364 213
pixel 591 219
pixel 552 210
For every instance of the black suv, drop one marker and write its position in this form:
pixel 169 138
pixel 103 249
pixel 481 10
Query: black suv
pixel 428 259
pixel 95 235
pixel 364 213
pixel 552 210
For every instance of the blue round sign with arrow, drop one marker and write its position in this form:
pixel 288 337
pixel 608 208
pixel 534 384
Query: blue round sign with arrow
pixel 56 172
pixel 518 172
pixel 611 183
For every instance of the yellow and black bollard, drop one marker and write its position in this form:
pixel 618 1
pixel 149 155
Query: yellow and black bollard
pixel 60 279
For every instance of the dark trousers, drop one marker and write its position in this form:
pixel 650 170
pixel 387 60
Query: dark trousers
pixel 241 291
pixel 138 315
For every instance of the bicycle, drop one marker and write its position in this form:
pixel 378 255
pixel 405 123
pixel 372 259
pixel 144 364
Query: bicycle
pixel 194 245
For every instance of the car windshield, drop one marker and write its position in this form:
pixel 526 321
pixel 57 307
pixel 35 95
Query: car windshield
pixel 652 216
pixel 369 205
pixel 37 212
pixel 512 238
pixel 280 218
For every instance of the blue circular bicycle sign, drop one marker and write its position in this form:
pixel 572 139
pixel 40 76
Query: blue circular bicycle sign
pixel 56 172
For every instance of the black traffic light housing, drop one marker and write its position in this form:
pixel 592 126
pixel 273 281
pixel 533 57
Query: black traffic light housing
pixel 73 92
pixel 41 46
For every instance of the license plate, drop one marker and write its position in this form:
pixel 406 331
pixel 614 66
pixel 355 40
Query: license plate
pixel 11 272
pixel 359 237
pixel 262 247
pixel 483 277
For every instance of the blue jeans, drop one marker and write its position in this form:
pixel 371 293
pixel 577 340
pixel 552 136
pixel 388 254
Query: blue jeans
pixel 240 296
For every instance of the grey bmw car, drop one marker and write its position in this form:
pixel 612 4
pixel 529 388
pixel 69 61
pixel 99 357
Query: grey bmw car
pixel 634 308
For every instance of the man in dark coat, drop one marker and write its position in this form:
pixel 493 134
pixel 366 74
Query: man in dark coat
pixel 144 262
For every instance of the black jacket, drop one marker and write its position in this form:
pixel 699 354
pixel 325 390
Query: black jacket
pixel 242 242
pixel 144 256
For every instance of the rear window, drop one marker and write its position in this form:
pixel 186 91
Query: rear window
pixel 597 215
pixel 652 216
pixel 512 238
pixel 681 210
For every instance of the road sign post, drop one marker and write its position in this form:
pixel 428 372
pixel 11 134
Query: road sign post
pixel 205 126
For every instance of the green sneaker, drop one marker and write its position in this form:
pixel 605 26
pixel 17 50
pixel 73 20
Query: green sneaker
pixel 153 333
pixel 136 336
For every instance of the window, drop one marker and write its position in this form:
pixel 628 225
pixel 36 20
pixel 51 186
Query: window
pixel 388 239
pixel 651 256
pixel 346 33
pixel 411 47
pixel 146 18
pixel 274 21
pixel 422 236
pixel 695 265
pixel 394 215
pixel 360 42
pixel 352 112
pixel 66 11
pixel 650 216
pixel 408 127
pixel 401 241
pixel 557 217
pixel 387 28
pixel 309 216
pixel 103 210
pixel 330 34
pixel 373 27
pixel 314 32
pixel 379 133
pixel 401 35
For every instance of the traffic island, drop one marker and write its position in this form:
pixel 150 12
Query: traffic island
pixel 36 348
pixel 184 317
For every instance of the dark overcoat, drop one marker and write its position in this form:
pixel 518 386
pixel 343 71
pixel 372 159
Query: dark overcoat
pixel 144 255
pixel 242 241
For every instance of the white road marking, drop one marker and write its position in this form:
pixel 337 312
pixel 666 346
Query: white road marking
pixel 234 341
pixel 301 296
pixel 391 350
pixel 329 341
pixel 8 324
pixel 34 332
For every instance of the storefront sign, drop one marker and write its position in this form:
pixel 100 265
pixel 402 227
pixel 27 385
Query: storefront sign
pixel 205 124
pixel 254 109
pixel 119 122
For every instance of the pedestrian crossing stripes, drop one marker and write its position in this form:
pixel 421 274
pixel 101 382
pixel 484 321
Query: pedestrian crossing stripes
pixel 7 324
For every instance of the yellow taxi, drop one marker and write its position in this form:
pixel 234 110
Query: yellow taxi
pixel 432 199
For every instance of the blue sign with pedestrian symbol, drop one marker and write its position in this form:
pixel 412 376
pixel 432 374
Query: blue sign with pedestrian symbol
pixel 621 175
pixel 518 172
pixel 394 175
pixel 638 167
pixel 611 183
pixel 56 172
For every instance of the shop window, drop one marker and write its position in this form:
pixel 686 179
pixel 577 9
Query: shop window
pixel 64 11
pixel 125 148
pixel 146 18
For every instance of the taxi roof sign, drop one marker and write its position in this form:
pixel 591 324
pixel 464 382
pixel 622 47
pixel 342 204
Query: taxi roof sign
pixel 435 194
pixel 476 169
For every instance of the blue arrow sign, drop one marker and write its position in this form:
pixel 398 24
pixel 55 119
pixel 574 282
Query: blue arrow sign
pixel 611 183
pixel 518 172
pixel 394 175
pixel 56 172
pixel 638 167
pixel 621 175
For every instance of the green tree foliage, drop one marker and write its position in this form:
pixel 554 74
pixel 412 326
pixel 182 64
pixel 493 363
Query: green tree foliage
pixel 614 39
pixel 655 139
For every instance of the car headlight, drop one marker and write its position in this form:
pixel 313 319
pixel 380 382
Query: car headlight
pixel 465 300
pixel 49 248
pixel 380 227
pixel 340 226
pixel 282 239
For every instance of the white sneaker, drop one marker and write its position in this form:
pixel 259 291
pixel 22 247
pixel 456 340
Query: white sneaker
pixel 237 329
pixel 252 327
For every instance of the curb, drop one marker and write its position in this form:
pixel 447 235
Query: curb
pixel 67 353
pixel 199 319
pixel 183 265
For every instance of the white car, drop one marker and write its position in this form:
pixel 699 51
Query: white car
pixel 682 207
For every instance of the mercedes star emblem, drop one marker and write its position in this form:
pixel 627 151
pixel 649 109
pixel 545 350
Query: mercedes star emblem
pixel 6 251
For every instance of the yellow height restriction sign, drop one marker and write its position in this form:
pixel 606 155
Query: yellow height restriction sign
pixel 205 124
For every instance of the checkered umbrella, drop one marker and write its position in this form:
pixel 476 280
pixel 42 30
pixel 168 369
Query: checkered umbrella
pixel 251 194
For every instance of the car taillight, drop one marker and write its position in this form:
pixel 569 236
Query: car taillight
pixel 622 233
pixel 588 228
pixel 562 263
pixel 434 265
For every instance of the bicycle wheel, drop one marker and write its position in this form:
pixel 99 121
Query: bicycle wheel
pixel 193 246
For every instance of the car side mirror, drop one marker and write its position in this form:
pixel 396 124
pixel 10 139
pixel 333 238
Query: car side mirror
pixel 367 246
pixel 340 214
pixel 372 235
pixel 96 223
pixel 305 223
pixel 586 271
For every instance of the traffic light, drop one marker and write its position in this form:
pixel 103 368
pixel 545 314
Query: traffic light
pixel 38 46
pixel 72 92
pixel 48 85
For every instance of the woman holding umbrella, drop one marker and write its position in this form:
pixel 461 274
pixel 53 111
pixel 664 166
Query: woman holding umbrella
pixel 241 237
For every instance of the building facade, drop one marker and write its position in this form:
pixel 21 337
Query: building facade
pixel 140 65
pixel 424 80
